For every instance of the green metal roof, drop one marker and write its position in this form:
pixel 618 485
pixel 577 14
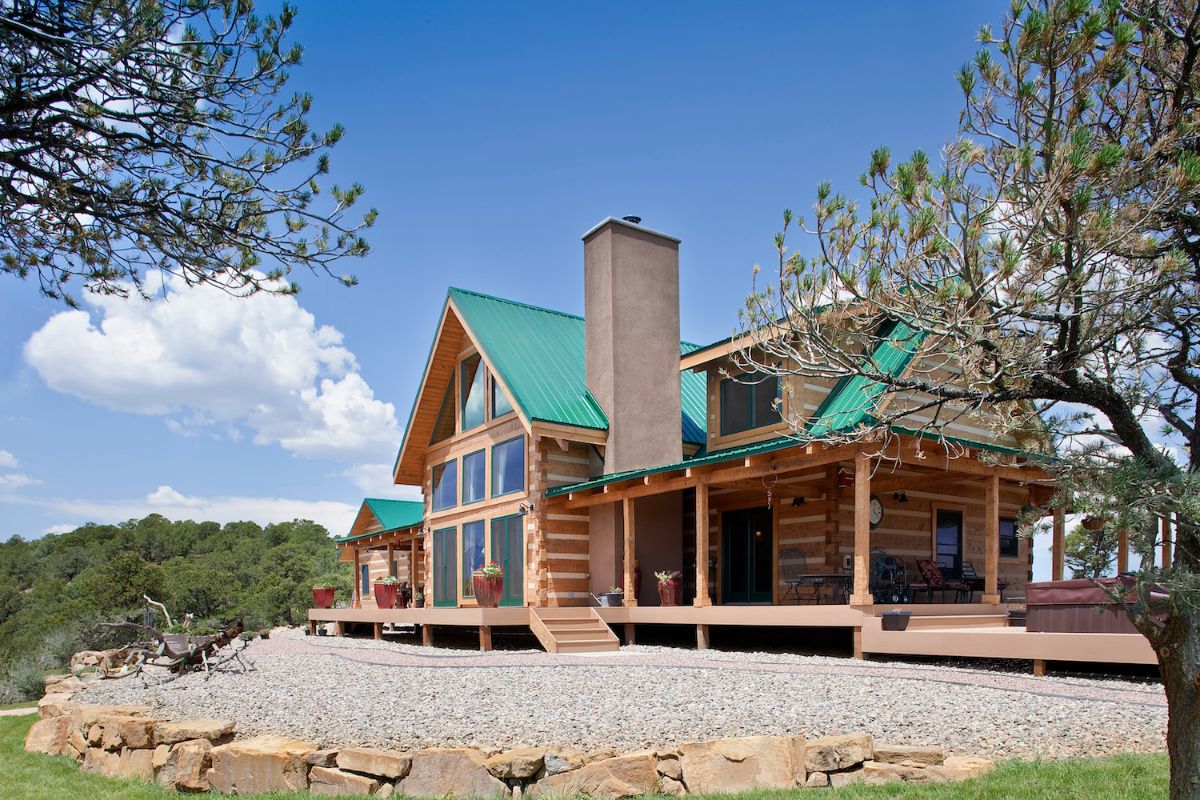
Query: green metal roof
pixel 539 354
pixel 852 401
pixel 392 515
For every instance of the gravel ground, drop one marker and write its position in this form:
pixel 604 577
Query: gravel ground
pixel 352 691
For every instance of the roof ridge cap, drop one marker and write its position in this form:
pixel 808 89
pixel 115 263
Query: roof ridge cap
pixel 530 306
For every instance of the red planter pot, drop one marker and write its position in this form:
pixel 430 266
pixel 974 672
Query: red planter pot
pixel 668 592
pixel 402 598
pixel 385 594
pixel 323 597
pixel 487 589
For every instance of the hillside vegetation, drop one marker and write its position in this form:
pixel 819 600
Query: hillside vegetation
pixel 53 589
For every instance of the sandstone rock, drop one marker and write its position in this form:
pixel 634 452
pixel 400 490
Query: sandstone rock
pixel 668 767
pixel 84 659
pixel 453 772
pixel 55 704
pixel 387 790
pixel 94 734
pixel 816 780
pixel 136 763
pixel 186 765
pixel 670 786
pixel 899 753
pixel 839 779
pixel 739 765
pixel 269 763
pixel 322 758
pixel 48 736
pixel 127 731
pixel 521 764
pixel 217 731
pixel 327 781
pixel 876 772
pixel 559 761
pixel 101 762
pixel 85 716
pixel 162 754
pixel 390 764
pixel 63 684
pixel 610 779
pixel 600 754
pixel 76 744
pixel 957 768
pixel 832 753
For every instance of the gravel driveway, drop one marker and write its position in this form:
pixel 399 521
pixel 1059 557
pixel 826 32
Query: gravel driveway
pixel 354 691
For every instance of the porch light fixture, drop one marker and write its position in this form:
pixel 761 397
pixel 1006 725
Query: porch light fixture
pixel 525 508
pixel 900 496
pixel 797 502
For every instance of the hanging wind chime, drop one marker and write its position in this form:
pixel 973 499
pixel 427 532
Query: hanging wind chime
pixel 770 487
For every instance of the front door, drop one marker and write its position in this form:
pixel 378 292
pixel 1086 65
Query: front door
pixel 949 542
pixel 445 567
pixel 508 550
pixel 746 550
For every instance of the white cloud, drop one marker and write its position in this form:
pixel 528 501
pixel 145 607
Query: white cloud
pixel 7 460
pixel 16 480
pixel 66 527
pixel 210 362
pixel 336 516
pixel 375 480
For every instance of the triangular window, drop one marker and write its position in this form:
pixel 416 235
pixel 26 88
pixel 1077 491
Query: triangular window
pixel 443 428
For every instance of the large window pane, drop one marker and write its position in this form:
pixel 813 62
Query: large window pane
pixel 766 392
pixel 445 485
pixel 443 426
pixel 474 392
pixel 748 402
pixel 472 550
pixel 500 402
pixel 474 477
pixel 508 466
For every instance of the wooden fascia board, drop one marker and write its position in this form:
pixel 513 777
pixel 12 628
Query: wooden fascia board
pixel 704 357
pixel 406 441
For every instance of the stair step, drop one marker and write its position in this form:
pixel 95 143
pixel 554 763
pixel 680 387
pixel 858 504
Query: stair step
pixel 588 646
pixel 578 636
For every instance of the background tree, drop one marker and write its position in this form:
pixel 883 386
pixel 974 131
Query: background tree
pixel 153 135
pixel 1052 259
pixel 1090 552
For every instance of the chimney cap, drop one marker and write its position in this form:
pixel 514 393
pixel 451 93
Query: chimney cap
pixel 634 219
pixel 628 223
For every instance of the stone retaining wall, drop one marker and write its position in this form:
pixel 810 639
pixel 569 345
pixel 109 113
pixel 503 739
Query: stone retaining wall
pixel 205 755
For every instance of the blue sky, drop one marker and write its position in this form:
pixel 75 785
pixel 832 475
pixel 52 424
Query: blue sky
pixel 490 137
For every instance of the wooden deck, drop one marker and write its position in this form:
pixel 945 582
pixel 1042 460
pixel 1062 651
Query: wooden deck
pixel 948 630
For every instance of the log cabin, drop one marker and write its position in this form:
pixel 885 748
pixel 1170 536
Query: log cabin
pixel 586 454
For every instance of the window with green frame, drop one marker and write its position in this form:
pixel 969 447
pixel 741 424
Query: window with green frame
pixel 472 554
pixel 501 405
pixel 473 385
pixel 445 485
pixel 474 478
pixel 748 402
pixel 508 467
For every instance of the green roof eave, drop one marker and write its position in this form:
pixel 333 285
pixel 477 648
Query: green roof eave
pixel 393 515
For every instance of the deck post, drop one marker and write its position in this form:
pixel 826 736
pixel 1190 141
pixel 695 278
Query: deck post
pixel 485 638
pixel 630 634
pixel 858 651
pixel 1058 545
pixel 312 627
pixel 339 628
pixel 630 551
pixel 1122 552
pixel 701 637
pixel 991 540
pixel 1166 541
pixel 1039 668
pixel 357 582
pixel 427 635
pixel 861 596
pixel 702 597
pixel 378 630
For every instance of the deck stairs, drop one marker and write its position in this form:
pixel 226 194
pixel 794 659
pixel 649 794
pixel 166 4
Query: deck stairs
pixel 572 630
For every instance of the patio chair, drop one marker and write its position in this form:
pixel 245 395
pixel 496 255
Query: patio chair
pixel 934 581
pixel 974 582
pixel 793 571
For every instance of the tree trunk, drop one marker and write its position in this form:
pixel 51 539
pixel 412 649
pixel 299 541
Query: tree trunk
pixel 1179 660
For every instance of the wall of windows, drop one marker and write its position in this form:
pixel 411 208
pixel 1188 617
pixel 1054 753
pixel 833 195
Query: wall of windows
pixel 507 464
pixel 459 551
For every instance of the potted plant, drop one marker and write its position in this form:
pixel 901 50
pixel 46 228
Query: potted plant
pixel 323 595
pixel 488 582
pixel 385 589
pixel 669 584
pixel 896 620
pixel 613 597
pixel 419 599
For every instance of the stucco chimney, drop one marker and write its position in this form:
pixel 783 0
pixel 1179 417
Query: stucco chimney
pixel 631 304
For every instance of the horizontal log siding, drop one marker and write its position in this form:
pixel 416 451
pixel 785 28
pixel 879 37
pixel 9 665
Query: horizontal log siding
pixel 559 540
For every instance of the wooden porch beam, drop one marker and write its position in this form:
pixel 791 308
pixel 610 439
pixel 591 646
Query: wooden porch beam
pixel 991 540
pixel 627 506
pixel 861 596
pixel 1058 545
pixel 930 459
pixel 702 598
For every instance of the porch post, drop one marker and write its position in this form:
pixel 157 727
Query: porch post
pixel 1057 545
pixel 991 540
pixel 412 566
pixel 1166 541
pixel 702 598
pixel 861 596
pixel 1122 551
pixel 357 582
pixel 391 562
pixel 630 550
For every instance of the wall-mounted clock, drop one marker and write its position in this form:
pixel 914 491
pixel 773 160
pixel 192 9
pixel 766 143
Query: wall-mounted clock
pixel 876 511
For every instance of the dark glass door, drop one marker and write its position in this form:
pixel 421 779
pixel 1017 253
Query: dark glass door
pixel 445 567
pixel 508 550
pixel 747 555
pixel 949 542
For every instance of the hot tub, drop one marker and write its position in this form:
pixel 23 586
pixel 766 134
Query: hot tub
pixel 1079 606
